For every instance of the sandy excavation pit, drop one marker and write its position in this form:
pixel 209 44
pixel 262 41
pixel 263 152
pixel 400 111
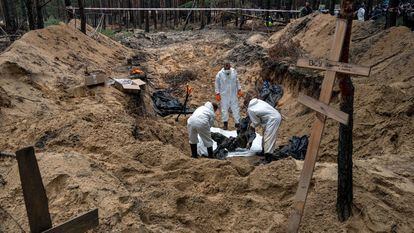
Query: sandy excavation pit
pixel 98 147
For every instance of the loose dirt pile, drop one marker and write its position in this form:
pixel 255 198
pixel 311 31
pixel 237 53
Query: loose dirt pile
pixel 94 151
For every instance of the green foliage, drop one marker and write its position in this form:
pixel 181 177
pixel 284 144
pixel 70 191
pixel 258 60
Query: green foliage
pixel 52 21
pixel 122 35
pixel 108 32
pixel 127 33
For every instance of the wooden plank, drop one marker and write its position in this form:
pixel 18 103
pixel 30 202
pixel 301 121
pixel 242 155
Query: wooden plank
pixel 139 82
pixel 340 67
pixel 79 224
pixel 95 79
pixel 34 193
pixel 317 131
pixel 323 108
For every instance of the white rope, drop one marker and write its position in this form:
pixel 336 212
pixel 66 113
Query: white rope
pixel 183 9
pixel 5 33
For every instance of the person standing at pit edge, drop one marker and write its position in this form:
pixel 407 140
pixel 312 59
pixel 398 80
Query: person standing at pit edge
pixel 227 87
pixel 199 124
pixel 306 10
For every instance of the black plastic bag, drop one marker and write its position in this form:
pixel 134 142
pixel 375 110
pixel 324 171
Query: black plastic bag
pixel 165 104
pixel 296 148
pixel 271 93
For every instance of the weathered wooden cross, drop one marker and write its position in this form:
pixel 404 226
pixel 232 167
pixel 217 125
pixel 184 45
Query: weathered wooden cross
pixel 36 202
pixel 323 110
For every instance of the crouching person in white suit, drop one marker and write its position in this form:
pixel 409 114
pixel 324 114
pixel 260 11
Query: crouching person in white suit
pixel 262 113
pixel 199 124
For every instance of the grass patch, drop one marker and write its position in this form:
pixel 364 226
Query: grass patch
pixel 108 32
pixel 52 21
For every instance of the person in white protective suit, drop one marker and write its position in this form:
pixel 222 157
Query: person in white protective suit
pixel 199 124
pixel 262 113
pixel 361 13
pixel 227 87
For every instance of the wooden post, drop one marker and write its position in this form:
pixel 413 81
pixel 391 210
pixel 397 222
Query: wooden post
pixel 34 192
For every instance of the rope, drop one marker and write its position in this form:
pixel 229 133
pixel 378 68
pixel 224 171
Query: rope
pixel 181 9
pixel 98 27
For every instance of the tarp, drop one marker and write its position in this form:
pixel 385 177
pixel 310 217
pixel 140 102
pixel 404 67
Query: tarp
pixel 165 104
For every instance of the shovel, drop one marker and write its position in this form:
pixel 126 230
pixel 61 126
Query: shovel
pixel 188 93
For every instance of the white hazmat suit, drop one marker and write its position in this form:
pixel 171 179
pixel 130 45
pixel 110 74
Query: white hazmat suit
pixel 227 85
pixel 262 113
pixel 361 14
pixel 200 123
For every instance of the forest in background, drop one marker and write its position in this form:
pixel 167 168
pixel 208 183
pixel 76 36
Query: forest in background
pixel 19 16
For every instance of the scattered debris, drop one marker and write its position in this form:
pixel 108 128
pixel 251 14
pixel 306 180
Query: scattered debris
pixel 7 154
pixel 41 143
pixel 137 73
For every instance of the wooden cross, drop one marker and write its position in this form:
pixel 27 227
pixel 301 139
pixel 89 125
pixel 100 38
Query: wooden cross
pixel 332 66
pixel 36 202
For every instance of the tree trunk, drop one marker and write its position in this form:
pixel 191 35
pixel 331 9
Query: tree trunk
pixel 30 16
pixel 189 15
pixel 267 7
pixel 10 15
pixel 163 16
pixel 147 18
pixel 131 14
pixel 203 14
pixel 82 16
pixel 332 7
pixel 391 18
pixel 140 14
pixel 176 13
pixel 23 14
pixel 39 14
pixel 368 12
pixel 154 18
pixel 242 19
pixel 345 145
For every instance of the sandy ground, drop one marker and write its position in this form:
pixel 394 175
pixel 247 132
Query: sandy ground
pixel 98 148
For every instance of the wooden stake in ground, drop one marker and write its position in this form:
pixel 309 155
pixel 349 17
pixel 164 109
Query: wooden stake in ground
pixel 323 110
pixel 36 202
